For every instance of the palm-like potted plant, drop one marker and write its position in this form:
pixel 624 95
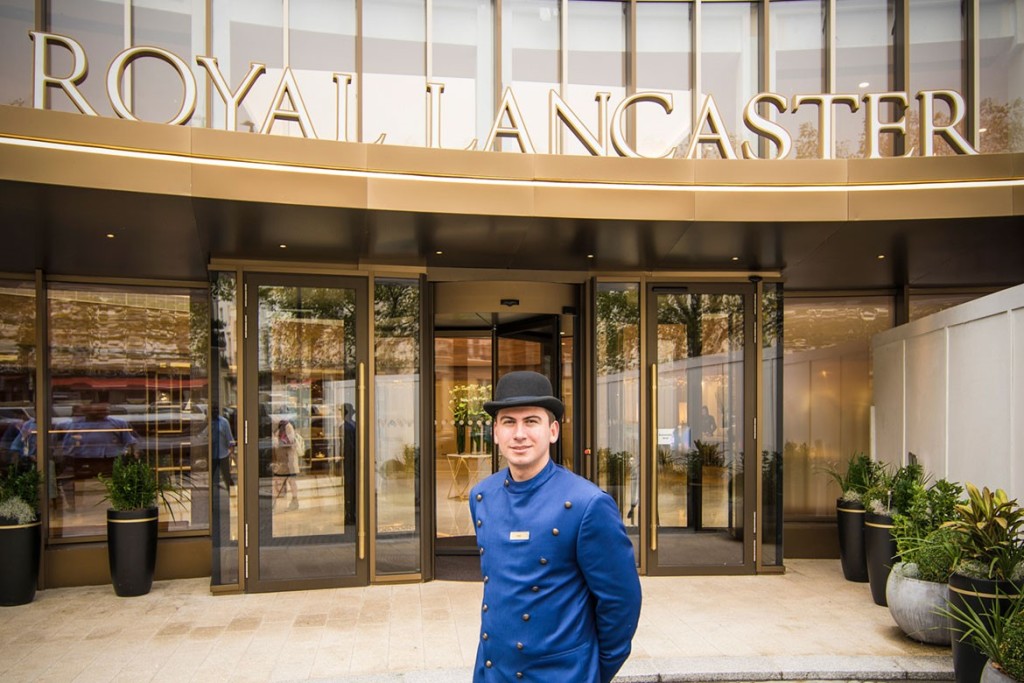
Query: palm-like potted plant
pixel 989 527
pixel 917 588
pixel 891 495
pixel 19 534
pixel 998 635
pixel 860 474
pixel 132 523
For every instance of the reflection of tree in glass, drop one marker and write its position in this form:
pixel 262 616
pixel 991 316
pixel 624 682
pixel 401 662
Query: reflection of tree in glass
pixel 396 309
pixel 1004 126
pixel 618 320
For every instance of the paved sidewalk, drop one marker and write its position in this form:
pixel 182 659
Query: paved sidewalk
pixel 809 624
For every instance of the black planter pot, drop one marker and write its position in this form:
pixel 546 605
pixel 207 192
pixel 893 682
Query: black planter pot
pixel 880 552
pixel 850 519
pixel 984 597
pixel 131 548
pixel 19 563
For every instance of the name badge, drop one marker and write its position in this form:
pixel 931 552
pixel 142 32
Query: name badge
pixel 519 535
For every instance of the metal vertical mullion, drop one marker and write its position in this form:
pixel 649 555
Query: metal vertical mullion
pixel 129 91
pixel 370 443
pixel 360 77
pixel 830 46
pixel 901 61
pixel 497 53
pixel 631 71
pixel 695 64
pixel 972 69
pixel 765 80
pixel 757 353
pixel 428 39
pixel 646 488
pixel 42 407
pixel 241 440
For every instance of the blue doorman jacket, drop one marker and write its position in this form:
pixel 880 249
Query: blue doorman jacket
pixel 561 593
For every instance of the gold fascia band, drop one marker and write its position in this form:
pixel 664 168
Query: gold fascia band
pixel 132 521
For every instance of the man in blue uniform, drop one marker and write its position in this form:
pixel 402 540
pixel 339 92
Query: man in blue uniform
pixel 561 593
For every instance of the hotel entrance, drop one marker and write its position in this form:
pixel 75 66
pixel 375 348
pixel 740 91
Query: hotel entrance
pixel 483 330
pixel 304 429
pixel 701 388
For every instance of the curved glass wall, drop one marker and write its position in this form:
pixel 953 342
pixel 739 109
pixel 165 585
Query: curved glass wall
pixel 433 72
pixel 664 56
pixel 797 49
pixel 1001 67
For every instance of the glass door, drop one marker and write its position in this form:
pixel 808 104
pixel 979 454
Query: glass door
pixel 701 391
pixel 305 441
pixel 466 365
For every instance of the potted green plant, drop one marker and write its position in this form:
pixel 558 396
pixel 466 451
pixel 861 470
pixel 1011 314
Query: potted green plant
pixel 998 635
pixel 917 587
pixel 132 490
pixel 19 534
pixel 990 533
pixel 860 474
pixel 890 495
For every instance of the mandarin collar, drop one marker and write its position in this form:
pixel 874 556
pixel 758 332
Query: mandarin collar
pixel 532 483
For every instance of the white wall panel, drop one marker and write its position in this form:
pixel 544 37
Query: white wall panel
pixel 979 408
pixel 888 391
pixel 926 382
pixel 981 415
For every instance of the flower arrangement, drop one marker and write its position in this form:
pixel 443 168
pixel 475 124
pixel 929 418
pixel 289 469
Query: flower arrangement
pixel 466 402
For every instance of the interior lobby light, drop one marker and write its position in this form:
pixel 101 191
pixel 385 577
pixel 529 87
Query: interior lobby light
pixel 863 84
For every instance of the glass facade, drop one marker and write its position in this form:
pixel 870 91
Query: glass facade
pixel 17 374
pixel 432 72
pixel 128 375
pixel 224 429
pixel 826 408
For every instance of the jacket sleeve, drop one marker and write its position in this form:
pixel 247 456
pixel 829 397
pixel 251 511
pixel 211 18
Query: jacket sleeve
pixel 605 556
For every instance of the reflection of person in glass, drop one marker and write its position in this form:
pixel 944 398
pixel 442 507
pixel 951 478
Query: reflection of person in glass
pixel 223 445
pixel 707 424
pixel 288 446
pixel 349 463
pixel 96 436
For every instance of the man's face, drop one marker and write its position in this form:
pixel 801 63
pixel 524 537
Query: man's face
pixel 524 436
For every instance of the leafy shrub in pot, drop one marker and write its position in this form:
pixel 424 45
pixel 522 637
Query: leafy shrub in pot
pixel 860 474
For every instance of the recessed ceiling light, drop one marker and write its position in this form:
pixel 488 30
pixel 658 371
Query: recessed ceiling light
pixel 110 235
pixel 283 246
pixel 863 84
pixel 735 258
pixel 881 257
pixel 983 130
pixel 590 256
pixel 438 252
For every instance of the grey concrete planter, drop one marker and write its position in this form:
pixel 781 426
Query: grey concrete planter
pixel 991 674
pixel 913 604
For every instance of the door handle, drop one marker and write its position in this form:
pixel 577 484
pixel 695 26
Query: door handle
pixel 654 458
pixel 361 460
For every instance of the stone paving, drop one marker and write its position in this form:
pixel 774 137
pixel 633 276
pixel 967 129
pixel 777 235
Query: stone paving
pixel 808 624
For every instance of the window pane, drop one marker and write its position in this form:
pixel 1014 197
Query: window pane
pixel 17 374
pixel 664 53
pixel 529 62
pixel 797 62
pixel 223 430
pixel 463 59
pixel 99 27
pixel 1001 29
pixel 128 374
pixel 156 86
pixel 936 62
pixel 827 401
pixel 922 305
pixel 394 66
pixel 243 32
pixel 17 18
pixel 617 399
pixel 397 412
pixel 597 63
pixel 729 65
pixel 322 41
pixel 771 429
pixel 864 63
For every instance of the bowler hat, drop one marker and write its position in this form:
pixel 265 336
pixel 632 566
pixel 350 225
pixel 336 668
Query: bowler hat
pixel 524 388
